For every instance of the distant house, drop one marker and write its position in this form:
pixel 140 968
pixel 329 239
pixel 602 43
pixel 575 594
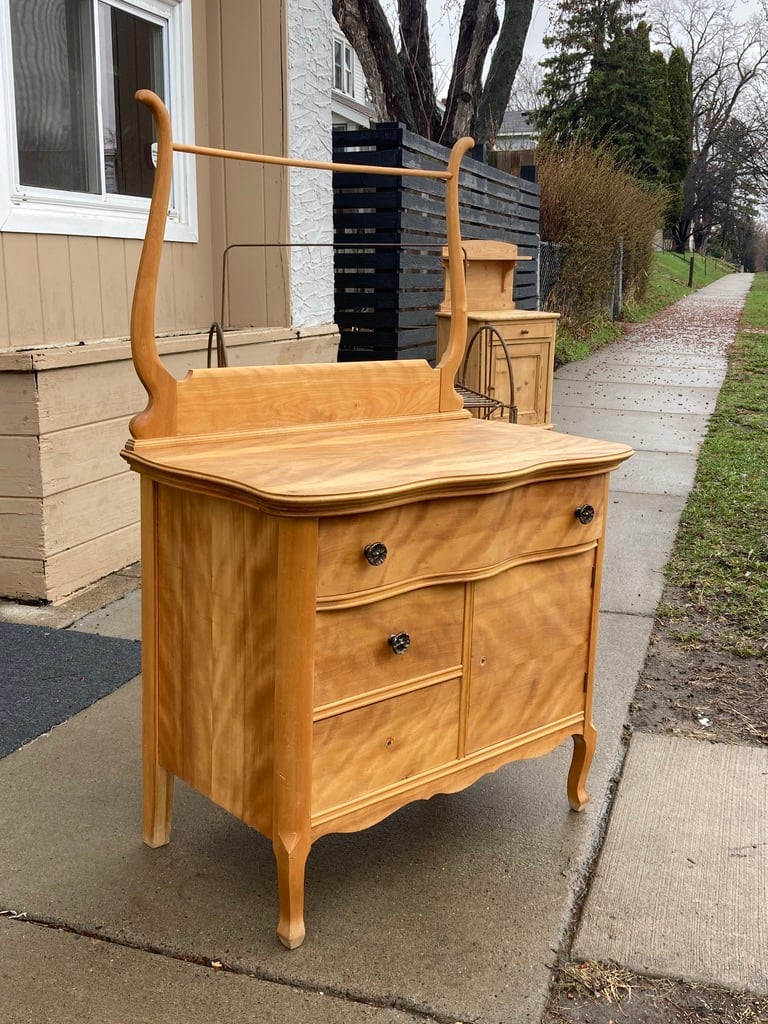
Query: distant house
pixel 515 142
pixel 75 173
pixel 350 106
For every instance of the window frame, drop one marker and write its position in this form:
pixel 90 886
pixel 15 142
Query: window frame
pixel 345 66
pixel 29 209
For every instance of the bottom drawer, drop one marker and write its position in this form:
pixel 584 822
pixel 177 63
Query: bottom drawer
pixel 379 745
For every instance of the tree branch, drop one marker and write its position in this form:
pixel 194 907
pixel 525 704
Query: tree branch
pixel 364 24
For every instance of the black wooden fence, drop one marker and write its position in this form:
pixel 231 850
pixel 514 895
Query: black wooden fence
pixel 388 233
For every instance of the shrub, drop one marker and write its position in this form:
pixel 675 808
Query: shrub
pixel 590 203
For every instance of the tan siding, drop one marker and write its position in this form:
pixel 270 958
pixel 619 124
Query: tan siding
pixel 20 459
pixel 75 568
pixel 114 289
pixel 80 455
pixel 195 298
pixel 5 334
pixel 56 285
pixel 78 395
pixel 252 120
pixel 86 295
pixel 211 207
pixel 94 510
pixel 22 279
pixel 23 578
pixel 21 528
pixel 18 405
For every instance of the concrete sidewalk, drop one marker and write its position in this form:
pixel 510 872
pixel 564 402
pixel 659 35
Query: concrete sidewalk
pixel 451 909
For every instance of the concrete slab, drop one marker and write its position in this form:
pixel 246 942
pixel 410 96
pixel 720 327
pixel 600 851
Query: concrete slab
pixel 656 473
pixel 625 354
pixel 58 977
pixel 452 907
pixel 662 432
pixel 121 618
pixel 641 532
pixel 90 599
pixel 607 370
pixel 693 904
pixel 641 397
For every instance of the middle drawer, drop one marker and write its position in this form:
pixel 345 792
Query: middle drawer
pixel 356 648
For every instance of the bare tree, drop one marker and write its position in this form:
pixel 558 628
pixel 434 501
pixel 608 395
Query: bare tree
pixel 398 64
pixel 526 89
pixel 729 75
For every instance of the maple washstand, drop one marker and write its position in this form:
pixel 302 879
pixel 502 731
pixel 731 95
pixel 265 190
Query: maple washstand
pixel 356 599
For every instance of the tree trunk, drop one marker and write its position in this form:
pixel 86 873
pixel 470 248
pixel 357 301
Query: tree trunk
pixel 479 25
pixel 365 26
pixel 504 64
pixel 416 64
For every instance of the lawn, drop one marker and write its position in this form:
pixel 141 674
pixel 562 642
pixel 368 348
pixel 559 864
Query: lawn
pixel 721 553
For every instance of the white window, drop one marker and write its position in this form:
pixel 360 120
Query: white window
pixel 343 69
pixel 78 147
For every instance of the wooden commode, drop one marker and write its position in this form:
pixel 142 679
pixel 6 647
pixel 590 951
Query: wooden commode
pixel 503 341
pixel 355 600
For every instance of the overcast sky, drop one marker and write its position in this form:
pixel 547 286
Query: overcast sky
pixel 444 18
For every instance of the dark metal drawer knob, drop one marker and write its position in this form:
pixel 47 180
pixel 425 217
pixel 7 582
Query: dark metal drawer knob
pixel 376 553
pixel 585 514
pixel 400 642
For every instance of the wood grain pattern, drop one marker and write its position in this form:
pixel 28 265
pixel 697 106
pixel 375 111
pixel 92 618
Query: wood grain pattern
pixel 352 648
pixel 438 538
pixel 160 419
pixel 490 273
pixel 373 747
pixel 248 398
pixel 216 610
pixel 376 464
pixel 157 780
pixel 529 648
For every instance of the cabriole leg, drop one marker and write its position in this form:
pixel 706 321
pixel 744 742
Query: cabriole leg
pixel 291 856
pixel 583 752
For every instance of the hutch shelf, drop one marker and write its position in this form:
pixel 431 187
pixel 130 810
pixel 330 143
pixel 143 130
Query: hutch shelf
pixel 356 600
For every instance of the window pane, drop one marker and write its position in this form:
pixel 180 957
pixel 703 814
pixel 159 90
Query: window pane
pixel 54 85
pixel 348 70
pixel 337 76
pixel 131 52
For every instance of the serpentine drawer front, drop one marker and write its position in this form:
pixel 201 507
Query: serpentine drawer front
pixel 439 538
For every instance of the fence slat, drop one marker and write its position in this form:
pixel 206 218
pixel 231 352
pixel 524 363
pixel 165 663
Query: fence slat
pixel 386 300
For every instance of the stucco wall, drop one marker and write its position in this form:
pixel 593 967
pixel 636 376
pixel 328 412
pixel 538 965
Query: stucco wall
pixel 310 73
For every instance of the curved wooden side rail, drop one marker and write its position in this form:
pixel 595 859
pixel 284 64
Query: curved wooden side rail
pixel 161 418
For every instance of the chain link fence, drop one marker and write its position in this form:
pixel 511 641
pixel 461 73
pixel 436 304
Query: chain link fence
pixel 552 256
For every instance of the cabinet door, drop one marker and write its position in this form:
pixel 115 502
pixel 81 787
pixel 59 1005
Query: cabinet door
pixel 529 368
pixel 530 648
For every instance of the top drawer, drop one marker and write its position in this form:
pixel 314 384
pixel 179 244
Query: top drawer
pixel 455 535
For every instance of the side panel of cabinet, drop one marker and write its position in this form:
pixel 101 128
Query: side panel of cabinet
pixel 216 652
pixel 530 648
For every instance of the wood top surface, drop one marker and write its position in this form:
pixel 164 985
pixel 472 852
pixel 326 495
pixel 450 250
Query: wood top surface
pixel 352 466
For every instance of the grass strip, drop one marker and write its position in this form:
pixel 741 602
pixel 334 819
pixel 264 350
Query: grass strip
pixel 721 551
pixel 668 282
